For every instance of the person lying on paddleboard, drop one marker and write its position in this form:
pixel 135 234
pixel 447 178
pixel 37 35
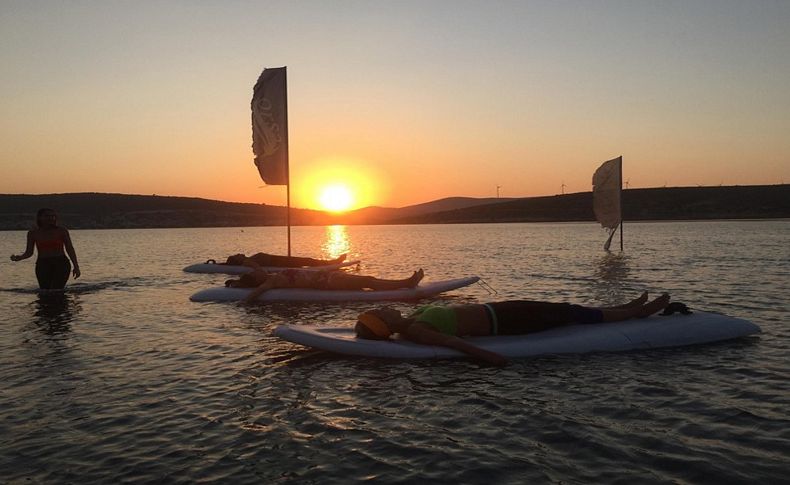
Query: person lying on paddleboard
pixel 52 242
pixel 445 325
pixel 318 280
pixel 263 259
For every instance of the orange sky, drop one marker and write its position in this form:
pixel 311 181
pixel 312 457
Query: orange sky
pixel 405 102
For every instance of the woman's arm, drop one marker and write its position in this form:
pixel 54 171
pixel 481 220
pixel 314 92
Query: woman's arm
pixel 72 254
pixel 28 249
pixel 272 281
pixel 423 334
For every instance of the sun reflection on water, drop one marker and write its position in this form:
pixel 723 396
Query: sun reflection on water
pixel 336 241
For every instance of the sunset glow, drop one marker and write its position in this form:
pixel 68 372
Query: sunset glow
pixel 336 198
pixel 338 184
pixel 165 108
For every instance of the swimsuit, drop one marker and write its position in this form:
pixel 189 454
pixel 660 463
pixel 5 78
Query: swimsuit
pixel 440 318
pixel 307 279
pixel 50 244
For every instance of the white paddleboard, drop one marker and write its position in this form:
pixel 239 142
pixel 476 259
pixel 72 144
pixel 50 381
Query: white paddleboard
pixel 647 333
pixel 229 269
pixel 299 294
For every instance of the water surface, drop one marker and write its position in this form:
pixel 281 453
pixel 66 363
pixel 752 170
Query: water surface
pixel 122 378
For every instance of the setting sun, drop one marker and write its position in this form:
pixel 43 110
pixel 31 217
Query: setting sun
pixel 338 184
pixel 336 198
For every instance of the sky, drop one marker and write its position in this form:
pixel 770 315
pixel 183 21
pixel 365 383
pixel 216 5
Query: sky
pixel 400 102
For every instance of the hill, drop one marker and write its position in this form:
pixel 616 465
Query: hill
pixel 100 210
pixel 676 203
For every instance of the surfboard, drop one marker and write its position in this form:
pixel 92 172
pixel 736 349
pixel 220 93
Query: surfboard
pixel 647 333
pixel 229 269
pixel 423 290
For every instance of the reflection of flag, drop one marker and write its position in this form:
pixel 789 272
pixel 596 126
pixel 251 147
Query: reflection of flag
pixel 270 126
pixel 607 182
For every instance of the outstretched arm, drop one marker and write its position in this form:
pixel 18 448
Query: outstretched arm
pixel 261 289
pixel 72 254
pixel 423 334
pixel 28 249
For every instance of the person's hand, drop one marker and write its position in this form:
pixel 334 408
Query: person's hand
pixel 14 257
pixel 76 272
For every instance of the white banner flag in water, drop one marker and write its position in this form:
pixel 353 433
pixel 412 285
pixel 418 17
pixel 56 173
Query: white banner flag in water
pixel 270 126
pixel 607 182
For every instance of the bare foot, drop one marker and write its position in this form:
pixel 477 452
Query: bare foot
pixel 654 306
pixel 415 279
pixel 340 258
pixel 637 302
pixel 633 304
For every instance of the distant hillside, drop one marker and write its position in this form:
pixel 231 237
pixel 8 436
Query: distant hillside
pixel 383 215
pixel 98 210
pixel 677 203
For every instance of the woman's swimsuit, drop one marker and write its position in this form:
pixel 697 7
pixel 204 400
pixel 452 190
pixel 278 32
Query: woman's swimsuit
pixel 52 271
pixel 50 245
pixel 318 280
pixel 440 318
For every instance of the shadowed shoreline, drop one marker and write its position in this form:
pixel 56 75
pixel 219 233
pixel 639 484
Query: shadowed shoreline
pixel 122 211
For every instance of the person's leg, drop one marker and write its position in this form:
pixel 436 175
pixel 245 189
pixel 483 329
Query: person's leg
pixel 345 281
pixel 618 315
pixel 519 317
pixel 522 316
pixel 52 273
pixel 42 274
pixel 60 274
pixel 637 302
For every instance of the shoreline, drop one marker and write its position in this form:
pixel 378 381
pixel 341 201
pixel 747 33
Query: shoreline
pixel 120 211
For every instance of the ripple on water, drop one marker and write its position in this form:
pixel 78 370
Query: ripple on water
pixel 122 378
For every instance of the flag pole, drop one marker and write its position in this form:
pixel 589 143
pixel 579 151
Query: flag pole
pixel 621 203
pixel 270 133
pixel 288 168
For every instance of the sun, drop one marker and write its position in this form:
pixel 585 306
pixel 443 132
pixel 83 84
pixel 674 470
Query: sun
pixel 336 198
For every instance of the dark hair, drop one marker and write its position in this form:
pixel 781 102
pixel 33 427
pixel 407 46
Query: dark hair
pixel 363 332
pixel 40 214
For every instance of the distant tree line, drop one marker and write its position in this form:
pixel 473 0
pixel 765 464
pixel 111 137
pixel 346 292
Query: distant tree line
pixel 101 210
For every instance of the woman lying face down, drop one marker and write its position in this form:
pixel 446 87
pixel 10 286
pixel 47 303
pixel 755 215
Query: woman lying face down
pixel 446 325
pixel 262 281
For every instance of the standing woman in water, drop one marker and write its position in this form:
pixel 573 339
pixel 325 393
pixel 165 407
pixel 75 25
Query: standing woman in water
pixel 50 240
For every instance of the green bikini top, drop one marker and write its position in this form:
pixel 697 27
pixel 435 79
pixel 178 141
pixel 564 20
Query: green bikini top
pixel 440 318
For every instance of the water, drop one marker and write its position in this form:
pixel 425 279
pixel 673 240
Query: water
pixel 124 379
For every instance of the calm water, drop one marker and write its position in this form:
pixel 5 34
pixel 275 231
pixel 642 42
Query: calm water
pixel 125 379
